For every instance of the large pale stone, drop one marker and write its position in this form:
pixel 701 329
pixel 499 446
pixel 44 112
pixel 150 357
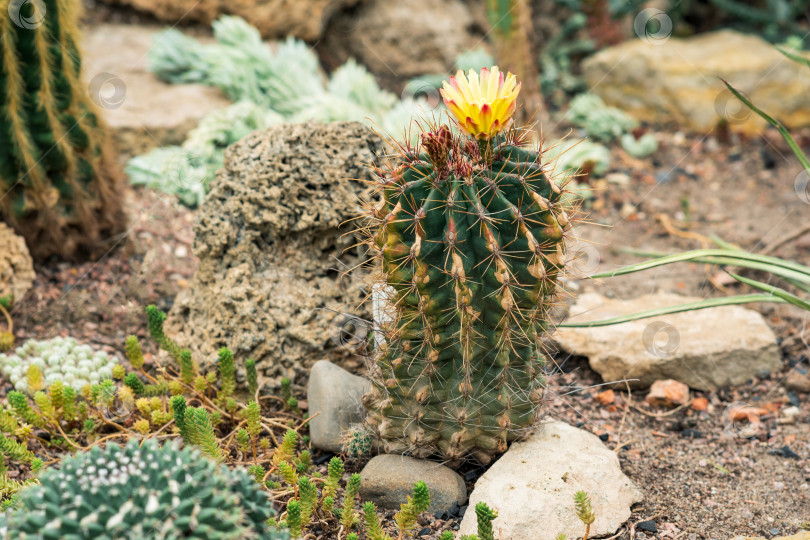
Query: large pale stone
pixel 679 80
pixel 334 396
pixel 705 349
pixel 141 111
pixel 304 19
pixel 532 486
pixel 274 238
pixel 388 480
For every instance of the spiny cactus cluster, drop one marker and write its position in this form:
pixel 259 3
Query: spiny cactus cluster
pixel 62 191
pixel 140 491
pixel 357 441
pixel 37 364
pixel 470 238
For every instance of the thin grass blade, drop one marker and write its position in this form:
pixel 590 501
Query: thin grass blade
pixel 775 123
pixel 680 308
pixel 776 291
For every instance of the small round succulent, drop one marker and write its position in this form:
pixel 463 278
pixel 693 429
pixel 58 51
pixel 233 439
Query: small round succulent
pixel 357 441
pixel 58 359
pixel 144 491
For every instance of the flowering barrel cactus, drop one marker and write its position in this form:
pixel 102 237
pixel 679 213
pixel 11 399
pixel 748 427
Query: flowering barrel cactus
pixel 140 492
pixel 469 238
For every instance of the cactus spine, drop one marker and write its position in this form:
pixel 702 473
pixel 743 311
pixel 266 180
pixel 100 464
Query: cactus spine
pixel 61 189
pixel 470 238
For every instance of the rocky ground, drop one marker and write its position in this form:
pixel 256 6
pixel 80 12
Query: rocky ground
pixel 709 464
pixel 701 474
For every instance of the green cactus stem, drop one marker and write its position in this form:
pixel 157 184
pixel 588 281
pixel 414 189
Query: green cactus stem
pixel 469 239
pixel 62 188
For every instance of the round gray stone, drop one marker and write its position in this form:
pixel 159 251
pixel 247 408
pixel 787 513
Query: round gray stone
pixel 388 480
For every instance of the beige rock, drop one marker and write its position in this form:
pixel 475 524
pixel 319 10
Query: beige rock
pixel 141 111
pixel 274 243
pixel 679 80
pixel 532 486
pixel 334 396
pixel 16 267
pixel 388 480
pixel 304 19
pixel 704 349
pixel 803 535
pixel 798 382
pixel 401 40
pixel 668 393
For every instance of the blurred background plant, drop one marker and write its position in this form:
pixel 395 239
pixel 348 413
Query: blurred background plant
pixel 269 87
pixel 794 277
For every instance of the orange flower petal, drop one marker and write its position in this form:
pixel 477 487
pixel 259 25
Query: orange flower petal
pixel 482 103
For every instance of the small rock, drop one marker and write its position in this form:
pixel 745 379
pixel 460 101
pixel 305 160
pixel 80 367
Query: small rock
pixel 388 480
pixel 705 349
pixel 627 210
pixel 746 412
pixel 533 501
pixel 606 398
pixel 785 452
pixel 804 535
pixel 700 403
pixel 690 433
pixel 618 178
pixel 16 266
pixel 429 36
pixel 791 412
pixel 668 393
pixel 648 526
pixel 798 382
pixel 335 394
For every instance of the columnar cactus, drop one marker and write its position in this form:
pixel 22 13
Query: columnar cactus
pixel 469 238
pixel 60 187
pixel 142 491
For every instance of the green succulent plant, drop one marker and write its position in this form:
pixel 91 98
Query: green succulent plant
pixel 59 358
pixel 144 491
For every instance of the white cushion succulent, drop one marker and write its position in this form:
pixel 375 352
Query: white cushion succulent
pixel 59 359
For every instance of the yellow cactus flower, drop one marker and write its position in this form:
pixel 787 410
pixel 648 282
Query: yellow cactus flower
pixel 483 104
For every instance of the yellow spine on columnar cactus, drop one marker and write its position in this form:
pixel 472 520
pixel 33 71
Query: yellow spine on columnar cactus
pixel 469 237
pixel 60 187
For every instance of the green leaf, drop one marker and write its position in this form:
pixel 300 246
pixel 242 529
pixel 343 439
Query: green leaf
pixel 774 265
pixel 795 57
pixel 776 291
pixel 691 306
pixel 775 123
